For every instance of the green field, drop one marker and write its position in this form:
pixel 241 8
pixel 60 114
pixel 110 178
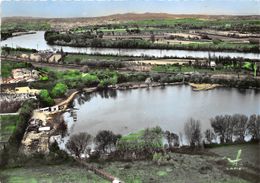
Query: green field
pixel 195 21
pixel 172 171
pixel 7 126
pixel 8 66
pixel 25 26
pixel 49 174
pixel 179 69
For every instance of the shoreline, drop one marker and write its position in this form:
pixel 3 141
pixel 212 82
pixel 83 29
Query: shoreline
pixel 164 47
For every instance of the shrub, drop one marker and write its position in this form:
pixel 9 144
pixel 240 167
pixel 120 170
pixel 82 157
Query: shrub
pixel 45 98
pixel 59 90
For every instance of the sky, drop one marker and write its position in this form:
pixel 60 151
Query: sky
pixel 93 8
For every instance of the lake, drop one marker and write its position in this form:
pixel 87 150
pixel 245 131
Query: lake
pixel 36 41
pixel 126 111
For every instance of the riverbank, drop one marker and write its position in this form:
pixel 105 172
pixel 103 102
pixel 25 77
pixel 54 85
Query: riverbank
pixel 25 41
pixel 142 44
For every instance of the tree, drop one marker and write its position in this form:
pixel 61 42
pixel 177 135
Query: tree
pixel 152 37
pixel 254 127
pixel 59 90
pixel 240 121
pixel 192 130
pixel 152 138
pixel 78 143
pixel 45 98
pixel 172 139
pixel 100 34
pixel 220 127
pixel 106 139
pixel 209 135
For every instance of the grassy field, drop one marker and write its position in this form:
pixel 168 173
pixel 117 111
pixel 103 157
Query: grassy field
pixel 182 168
pixel 25 26
pixel 180 69
pixel 50 174
pixel 8 66
pixel 194 21
pixel 7 126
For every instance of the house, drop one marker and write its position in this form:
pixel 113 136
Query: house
pixel 35 57
pixel 55 58
pixel 21 73
pixel 44 128
pixel 24 56
pixel 27 90
pixel 212 64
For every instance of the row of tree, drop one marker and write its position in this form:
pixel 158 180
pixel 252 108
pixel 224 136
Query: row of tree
pixel 226 128
pixel 105 141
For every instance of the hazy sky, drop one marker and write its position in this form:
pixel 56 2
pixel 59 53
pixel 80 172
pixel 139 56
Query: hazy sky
pixel 85 8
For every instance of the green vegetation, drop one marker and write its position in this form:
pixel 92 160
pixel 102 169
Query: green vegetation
pixel 21 125
pixel 16 51
pixel 8 66
pixel 142 140
pixel 81 41
pixel 242 25
pixel 179 69
pixel 59 90
pixel 169 22
pixel 170 172
pixel 24 26
pixel 45 98
pixel 53 173
pixel 8 126
pixel 77 80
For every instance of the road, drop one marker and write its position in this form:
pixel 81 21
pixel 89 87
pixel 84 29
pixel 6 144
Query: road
pixel 9 114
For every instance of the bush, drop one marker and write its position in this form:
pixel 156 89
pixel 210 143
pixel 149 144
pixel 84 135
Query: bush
pixel 25 115
pixel 45 98
pixel 59 90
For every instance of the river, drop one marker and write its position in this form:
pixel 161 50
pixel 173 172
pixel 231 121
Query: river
pixel 168 107
pixel 36 41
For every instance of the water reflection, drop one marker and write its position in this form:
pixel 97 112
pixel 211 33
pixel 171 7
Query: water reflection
pixel 36 41
pixel 168 107
pixel 108 94
pixel 83 97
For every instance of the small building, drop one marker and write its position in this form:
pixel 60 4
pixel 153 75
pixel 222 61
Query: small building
pixel 35 57
pixel 21 73
pixel 24 56
pixel 55 58
pixel 44 128
pixel 212 64
pixel 26 90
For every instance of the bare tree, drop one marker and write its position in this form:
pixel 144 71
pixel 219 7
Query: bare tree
pixel 240 121
pixel 106 139
pixel 229 124
pixel 221 127
pixel 78 143
pixel 209 135
pixel 172 139
pixel 192 130
pixel 254 127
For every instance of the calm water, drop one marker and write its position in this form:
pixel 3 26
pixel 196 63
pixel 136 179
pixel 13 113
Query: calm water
pixel 37 41
pixel 169 107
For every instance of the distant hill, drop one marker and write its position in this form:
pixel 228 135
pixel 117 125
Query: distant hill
pixel 115 18
pixel 133 16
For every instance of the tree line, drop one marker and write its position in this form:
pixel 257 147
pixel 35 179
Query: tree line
pixel 145 143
